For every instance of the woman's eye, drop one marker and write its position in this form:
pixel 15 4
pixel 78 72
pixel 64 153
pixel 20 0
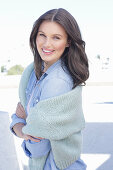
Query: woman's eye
pixel 56 38
pixel 42 35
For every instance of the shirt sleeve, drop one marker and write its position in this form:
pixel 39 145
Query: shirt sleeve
pixel 15 120
pixel 54 87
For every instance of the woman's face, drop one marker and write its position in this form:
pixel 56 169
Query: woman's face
pixel 51 41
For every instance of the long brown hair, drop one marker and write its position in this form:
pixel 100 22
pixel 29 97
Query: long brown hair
pixel 74 57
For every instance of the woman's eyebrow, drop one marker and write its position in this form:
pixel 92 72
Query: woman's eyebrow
pixel 58 35
pixel 55 34
pixel 41 31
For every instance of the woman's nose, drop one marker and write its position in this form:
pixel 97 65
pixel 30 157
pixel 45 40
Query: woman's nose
pixel 47 43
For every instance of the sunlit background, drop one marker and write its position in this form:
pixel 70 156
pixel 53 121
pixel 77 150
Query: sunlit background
pixel 95 19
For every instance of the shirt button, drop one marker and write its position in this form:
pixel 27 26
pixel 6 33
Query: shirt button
pixel 37 101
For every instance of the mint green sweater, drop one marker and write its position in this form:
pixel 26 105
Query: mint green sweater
pixel 59 119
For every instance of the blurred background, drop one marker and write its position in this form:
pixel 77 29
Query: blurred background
pixel 95 19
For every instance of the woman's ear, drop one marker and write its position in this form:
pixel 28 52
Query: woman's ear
pixel 68 43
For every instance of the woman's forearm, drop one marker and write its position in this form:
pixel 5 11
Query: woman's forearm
pixel 17 128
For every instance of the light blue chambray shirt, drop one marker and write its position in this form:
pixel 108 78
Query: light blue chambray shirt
pixel 55 81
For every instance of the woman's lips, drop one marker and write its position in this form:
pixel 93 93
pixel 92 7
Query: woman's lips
pixel 47 51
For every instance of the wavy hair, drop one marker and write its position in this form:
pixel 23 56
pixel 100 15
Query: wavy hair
pixel 74 57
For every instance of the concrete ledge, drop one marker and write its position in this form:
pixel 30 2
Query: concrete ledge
pixel 99 83
pixel 9 81
pixel 13 82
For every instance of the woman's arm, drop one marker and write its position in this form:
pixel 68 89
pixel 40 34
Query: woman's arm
pixel 20 112
pixel 17 128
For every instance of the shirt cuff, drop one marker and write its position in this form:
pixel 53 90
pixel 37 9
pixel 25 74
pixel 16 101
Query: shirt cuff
pixel 15 120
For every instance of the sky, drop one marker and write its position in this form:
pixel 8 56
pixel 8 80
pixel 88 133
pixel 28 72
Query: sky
pixel 95 19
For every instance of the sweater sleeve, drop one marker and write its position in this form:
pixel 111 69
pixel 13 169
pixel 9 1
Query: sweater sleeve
pixel 56 118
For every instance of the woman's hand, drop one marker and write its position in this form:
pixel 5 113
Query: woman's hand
pixel 28 137
pixel 20 112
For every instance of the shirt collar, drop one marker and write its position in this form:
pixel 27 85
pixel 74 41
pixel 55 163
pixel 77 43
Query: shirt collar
pixel 56 64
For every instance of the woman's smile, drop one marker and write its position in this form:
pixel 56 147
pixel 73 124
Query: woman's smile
pixel 47 51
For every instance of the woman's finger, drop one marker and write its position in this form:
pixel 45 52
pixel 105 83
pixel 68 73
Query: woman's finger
pixel 34 139
pixel 37 137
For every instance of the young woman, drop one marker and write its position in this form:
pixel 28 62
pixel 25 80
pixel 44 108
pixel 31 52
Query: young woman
pixel 49 115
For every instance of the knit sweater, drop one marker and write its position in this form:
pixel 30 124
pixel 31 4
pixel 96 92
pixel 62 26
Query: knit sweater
pixel 59 119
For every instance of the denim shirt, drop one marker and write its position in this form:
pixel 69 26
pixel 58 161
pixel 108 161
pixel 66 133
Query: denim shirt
pixel 55 81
